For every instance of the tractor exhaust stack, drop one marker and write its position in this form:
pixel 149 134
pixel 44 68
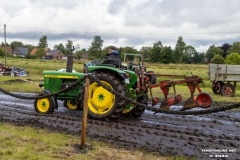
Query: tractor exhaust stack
pixel 69 66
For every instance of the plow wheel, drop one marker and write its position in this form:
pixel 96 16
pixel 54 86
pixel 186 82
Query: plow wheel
pixel 228 90
pixel 136 111
pixel 102 103
pixel 204 100
pixel 44 105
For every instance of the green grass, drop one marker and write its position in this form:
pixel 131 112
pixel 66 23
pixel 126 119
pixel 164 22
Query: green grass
pixel 37 144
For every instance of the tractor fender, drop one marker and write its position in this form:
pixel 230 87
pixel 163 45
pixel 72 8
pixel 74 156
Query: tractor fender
pixel 119 73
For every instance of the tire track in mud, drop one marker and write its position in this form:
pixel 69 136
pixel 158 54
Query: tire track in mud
pixel 166 134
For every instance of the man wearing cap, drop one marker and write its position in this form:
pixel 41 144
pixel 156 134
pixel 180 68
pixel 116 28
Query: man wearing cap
pixel 113 58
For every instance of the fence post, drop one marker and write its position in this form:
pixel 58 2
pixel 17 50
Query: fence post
pixel 85 113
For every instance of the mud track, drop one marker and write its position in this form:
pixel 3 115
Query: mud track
pixel 199 136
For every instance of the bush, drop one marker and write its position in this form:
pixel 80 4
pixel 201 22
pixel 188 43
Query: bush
pixel 233 58
pixel 217 59
pixel 2 53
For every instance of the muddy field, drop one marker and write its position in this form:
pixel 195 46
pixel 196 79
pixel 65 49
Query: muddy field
pixel 214 135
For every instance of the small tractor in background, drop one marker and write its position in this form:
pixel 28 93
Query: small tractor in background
pixel 129 78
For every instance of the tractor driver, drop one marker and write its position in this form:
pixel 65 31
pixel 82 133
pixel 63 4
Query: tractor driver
pixel 113 51
pixel 112 57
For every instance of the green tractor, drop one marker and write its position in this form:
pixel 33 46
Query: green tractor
pixel 127 78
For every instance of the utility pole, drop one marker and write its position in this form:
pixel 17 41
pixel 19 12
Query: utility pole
pixel 5 45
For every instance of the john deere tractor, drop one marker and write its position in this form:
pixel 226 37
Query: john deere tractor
pixel 126 78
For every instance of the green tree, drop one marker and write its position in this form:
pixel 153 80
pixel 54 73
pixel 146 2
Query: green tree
pixel 189 54
pixel 40 53
pixel 233 58
pixel 199 58
pixel 217 59
pixel 2 53
pixel 129 50
pixel 212 51
pixel 43 42
pixel 80 53
pixel 235 48
pixel 225 47
pixel 60 47
pixel 69 47
pixel 30 47
pixel 155 52
pixel 16 44
pixel 145 51
pixel 3 45
pixel 179 50
pixel 166 55
pixel 95 50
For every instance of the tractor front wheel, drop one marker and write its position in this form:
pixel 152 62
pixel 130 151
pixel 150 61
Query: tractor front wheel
pixel 44 105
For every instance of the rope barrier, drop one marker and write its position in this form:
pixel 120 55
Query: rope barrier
pixel 156 110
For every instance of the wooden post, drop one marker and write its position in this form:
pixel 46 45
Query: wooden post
pixel 85 114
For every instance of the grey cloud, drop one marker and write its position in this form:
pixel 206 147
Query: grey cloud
pixel 116 6
pixel 56 3
pixel 173 13
pixel 36 35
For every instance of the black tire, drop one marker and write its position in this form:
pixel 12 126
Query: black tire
pixel 216 87
pixel 118 103
pixel 45 105
pixel 152 78
pixel 137 111
pixel 228 90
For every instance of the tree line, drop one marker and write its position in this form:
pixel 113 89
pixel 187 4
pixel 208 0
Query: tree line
pixel 157 53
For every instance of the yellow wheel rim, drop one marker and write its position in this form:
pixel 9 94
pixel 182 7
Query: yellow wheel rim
pixel 43 105
pixel 100 100
pixel 71 106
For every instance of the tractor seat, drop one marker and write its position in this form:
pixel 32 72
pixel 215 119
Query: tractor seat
pixel 114 60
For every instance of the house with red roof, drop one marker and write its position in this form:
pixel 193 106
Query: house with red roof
pixel 33 52
pixel 7 49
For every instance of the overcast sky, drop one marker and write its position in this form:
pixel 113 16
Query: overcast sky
pixel 134 23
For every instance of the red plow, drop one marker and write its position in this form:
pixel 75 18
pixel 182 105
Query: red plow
pixel 202 99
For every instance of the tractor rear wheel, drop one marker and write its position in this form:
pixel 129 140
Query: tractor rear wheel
pixel 44 105
pixel 102 104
